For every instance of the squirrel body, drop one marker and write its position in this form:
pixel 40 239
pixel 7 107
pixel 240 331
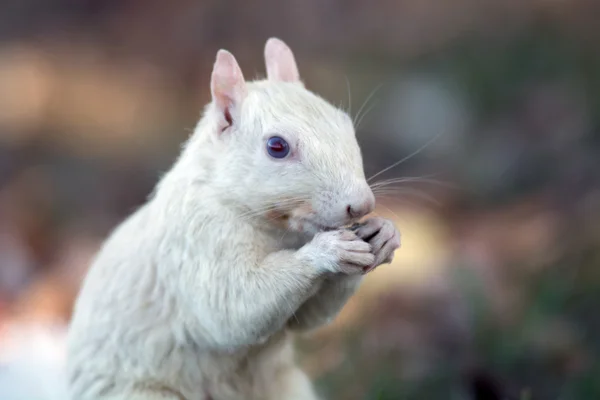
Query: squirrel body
pixel 196 295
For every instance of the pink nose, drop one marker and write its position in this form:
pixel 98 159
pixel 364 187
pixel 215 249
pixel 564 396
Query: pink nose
pixel 358 210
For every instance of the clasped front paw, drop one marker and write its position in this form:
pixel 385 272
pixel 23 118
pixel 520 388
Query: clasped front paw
pixel 383 237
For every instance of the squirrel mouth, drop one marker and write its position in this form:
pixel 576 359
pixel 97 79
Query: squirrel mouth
pixel 325 228
pixel 308 225
pixel 307 221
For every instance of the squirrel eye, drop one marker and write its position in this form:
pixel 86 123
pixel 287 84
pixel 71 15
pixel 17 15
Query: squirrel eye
pixel 277 147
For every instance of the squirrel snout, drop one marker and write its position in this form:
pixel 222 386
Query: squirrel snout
pixel 359 209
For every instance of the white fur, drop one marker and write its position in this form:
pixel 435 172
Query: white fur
pixel 194 296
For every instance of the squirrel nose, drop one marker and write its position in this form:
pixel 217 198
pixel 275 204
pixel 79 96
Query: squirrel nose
pixel 360 209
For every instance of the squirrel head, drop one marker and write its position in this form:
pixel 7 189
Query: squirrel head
pixel 277 150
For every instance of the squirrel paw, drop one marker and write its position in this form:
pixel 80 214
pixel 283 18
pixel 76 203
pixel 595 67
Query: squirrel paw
pixel 340 251
pixel 383 237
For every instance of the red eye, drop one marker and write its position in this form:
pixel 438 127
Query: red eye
pixel 277 147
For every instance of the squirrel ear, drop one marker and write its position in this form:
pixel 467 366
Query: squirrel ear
pixel 227 85
pixel 280 62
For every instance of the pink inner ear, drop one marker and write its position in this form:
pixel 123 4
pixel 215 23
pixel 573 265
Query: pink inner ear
pixel 227 85
pixel 280 62
pixel 228 119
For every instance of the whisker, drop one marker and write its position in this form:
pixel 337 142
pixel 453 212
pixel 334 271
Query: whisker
pixel 391 182
pixel 400 201
pixel 390 210
pixel 284 233
pixel 261 210
pixel 403 179
pixel 401 219
pixel 401 189
pixel 256 210
pixel 411 155
pixel 349 95
pixel 357 116
pixel 292 310
pixel 357 125
pixel 407 191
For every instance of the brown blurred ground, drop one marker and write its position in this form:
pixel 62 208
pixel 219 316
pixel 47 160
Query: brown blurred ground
pixel 498 273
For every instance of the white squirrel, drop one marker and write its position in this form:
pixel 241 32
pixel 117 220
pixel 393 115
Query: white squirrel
pixel 196 295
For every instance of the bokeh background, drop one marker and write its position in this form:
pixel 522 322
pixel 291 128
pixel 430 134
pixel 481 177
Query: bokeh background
pixel 494 105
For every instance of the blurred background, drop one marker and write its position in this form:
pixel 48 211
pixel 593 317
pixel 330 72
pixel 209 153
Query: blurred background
pixel 493 105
